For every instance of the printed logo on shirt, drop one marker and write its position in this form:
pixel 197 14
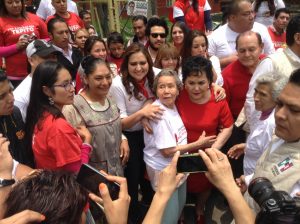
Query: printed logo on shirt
pixel 282 166
pixel 74 28
pixel 22 29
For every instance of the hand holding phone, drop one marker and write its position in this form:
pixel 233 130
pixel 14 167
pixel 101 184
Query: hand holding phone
pixel 191 163
pixel 90 178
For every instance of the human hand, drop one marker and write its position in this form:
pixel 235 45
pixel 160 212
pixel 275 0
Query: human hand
pixel 219 92
pixel 219 169
pixel 236 151
pixel 152 112
pixel 241 183
pixel 146 125
pixel 206 141
pixel 22 42
pixel 84 133
pixel 124 151
pixel 169 179
pixel 116 211
pixel 6 161
pixel 24 217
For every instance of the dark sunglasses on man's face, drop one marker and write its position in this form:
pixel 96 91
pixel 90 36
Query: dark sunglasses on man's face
pixel 155 35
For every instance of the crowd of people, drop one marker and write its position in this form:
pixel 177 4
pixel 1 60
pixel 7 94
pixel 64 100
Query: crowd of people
pixel 129 109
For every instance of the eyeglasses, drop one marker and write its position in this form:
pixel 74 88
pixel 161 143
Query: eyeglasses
pixel 67 86
pixel 155 35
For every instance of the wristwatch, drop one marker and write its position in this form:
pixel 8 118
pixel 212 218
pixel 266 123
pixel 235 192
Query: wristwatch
pixel 6 182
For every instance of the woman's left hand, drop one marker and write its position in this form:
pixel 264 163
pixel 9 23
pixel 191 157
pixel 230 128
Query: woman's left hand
pixel 84 133
pixel 219 92
pixel 124 151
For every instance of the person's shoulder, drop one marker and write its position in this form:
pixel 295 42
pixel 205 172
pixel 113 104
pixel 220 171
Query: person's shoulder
pixel 258 27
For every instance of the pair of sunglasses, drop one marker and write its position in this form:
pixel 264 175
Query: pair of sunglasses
pixel 155 35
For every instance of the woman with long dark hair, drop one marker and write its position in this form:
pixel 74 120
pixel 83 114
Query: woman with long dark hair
pixel 265 10
pixel 17 29
pixel 54 143
pixel 131 91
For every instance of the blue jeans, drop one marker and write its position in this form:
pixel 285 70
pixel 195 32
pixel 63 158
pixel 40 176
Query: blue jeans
pixel 175 205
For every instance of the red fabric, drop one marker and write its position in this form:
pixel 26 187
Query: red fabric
pixel 236 79
pixel 117 61
pixel 74 22
pixel 208 117
pixel 279 40
pixel 78 83
pixel 55 143
pixel 193 20
pixel 10 31
pixel 142 89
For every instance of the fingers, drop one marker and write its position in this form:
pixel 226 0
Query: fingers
pixel 175 160
pixel 123 185
pixel 24 217
pixel 105 194
pixel 206 159
pixel 96 199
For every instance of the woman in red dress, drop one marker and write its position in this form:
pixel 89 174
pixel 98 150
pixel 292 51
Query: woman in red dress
pixel 200 112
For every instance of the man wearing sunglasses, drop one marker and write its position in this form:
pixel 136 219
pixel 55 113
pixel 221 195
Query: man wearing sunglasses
pixel 156 32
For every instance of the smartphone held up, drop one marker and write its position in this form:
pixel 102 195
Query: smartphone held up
pixel 191 163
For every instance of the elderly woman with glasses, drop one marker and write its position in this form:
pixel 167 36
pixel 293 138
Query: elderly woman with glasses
pixel 54 143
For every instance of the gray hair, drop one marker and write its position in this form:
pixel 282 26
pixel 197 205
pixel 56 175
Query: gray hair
pixel 167 72
pixel 276 81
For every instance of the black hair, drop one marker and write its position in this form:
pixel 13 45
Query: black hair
pixel 3 76
pixel 271 6
pixel 196 65
pixel 234 7
pixel 90 42
pixel 4 12
pixel 154 21
pixel 140 17
pixel 51 23
pixel 295 77
pixel 281 10
pixel 45 74
pixel 292 28
pixel 55 194
pixel 114 38
pixel 89 64
pixel 82 13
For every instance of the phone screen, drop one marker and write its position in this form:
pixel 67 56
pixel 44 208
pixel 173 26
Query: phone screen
pixel 90 178
pixel 191 163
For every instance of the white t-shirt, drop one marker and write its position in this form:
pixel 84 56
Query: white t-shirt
pixel 177 12
pixel 257 142
pixel 222 41
pixel 46 9
pixel 215 61
pixel 22 95
pixel 263 14
pixel 126 103
pixel 168 132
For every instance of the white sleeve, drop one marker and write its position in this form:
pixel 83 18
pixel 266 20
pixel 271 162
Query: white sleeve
pixel 295 189
pixel 73 7
pixel 120 99
pixel 264 66
pixel 217 67
pixel 207 6
pixel 163 134
pixel 41 11
pixel 248 179
pixel 279 4
pixel 177 12
pixel 212 50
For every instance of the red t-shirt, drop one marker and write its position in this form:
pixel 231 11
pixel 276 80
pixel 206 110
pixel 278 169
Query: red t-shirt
pixel 74 22
pixel 55 143
pixel 208 117
pixel 279 40
pixel 10 31
pixel 117 61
